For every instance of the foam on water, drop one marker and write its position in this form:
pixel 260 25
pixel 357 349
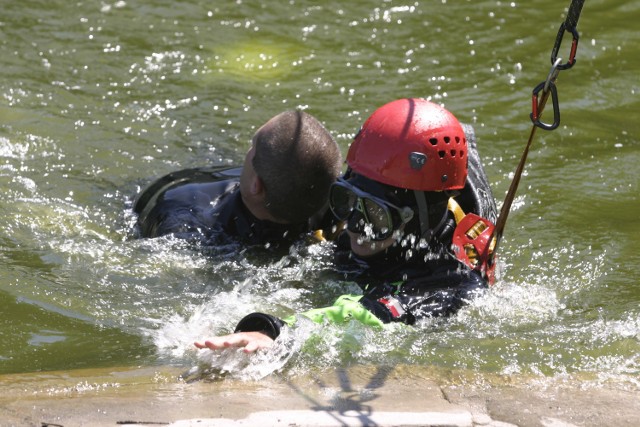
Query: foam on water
pixel 526 326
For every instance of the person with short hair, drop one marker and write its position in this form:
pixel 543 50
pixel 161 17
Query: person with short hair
pixel 419 218
pixel 274 198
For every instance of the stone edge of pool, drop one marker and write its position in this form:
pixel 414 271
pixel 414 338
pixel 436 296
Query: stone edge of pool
pixel 354 396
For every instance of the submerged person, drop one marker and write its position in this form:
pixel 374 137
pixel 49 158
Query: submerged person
pixel 419 216
pixel 273 198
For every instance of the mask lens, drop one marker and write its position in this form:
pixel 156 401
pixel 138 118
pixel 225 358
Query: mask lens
pixel 366 213
pixel 379 217
pixel 342 201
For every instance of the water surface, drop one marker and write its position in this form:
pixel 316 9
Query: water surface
pixel 99 98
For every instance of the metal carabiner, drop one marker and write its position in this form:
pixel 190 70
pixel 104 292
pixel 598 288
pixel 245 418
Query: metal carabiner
pixel 574 46
pixel 553 73
pixel 547 86
pixel 535 116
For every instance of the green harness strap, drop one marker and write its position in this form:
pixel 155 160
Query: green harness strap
pixel 346 308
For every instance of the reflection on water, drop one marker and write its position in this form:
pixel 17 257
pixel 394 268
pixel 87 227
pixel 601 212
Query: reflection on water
pixel 96 100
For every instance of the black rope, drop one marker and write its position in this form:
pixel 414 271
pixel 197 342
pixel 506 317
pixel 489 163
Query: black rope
pixel 574 14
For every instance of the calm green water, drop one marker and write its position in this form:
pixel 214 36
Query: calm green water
pixel 97 98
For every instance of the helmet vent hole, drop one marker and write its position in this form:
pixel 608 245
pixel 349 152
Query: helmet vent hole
pixel 433 141
pixel 442 154
pixel 447 140
pixel 457 140
pixel 461 153
pixel 453 153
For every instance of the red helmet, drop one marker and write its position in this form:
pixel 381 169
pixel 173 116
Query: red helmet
pixel 413 144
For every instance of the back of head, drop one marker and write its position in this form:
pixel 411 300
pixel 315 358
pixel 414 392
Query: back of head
pixel 297 160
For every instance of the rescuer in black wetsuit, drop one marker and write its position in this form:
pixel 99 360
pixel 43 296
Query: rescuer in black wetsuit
pixel 274 198
pixel 419 217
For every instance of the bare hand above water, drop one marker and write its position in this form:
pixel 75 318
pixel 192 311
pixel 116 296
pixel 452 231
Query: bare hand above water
pixel 249 341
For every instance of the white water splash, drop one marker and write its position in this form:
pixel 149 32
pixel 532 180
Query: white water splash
pixel 250 367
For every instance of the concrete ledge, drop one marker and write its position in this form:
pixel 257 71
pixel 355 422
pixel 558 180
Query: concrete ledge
pixel 306 418
pixel 355 396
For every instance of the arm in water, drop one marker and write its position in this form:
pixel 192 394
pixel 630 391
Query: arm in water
pixel 249 341
pixel 259 330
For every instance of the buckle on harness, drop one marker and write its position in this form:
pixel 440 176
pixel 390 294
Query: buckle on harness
pixel 393 305
pixel 472 243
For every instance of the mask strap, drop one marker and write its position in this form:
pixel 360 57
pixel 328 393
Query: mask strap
pixel 423 211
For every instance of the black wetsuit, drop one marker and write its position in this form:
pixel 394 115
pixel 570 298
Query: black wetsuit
pixel 402 286
pixel 204 205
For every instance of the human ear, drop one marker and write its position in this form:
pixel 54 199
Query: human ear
pixel 257 186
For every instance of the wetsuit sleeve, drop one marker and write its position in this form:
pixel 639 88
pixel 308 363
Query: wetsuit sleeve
pixel 403 307
pixel 260 322
pixel 442 292
pixel 347 307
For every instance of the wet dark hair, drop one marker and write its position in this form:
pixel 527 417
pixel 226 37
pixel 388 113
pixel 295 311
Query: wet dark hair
pixel 297 160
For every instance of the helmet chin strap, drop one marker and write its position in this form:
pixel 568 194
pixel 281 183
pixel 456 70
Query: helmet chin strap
pixel 426 232
pixel 423 212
